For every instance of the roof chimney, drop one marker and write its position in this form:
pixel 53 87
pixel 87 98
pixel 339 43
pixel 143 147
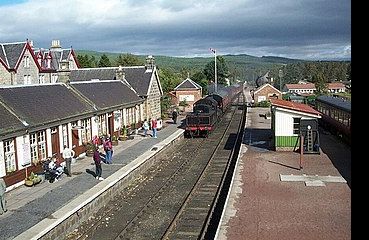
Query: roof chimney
pixel 150 63
pixel 55 44
pixel 119 73
pixel 30 42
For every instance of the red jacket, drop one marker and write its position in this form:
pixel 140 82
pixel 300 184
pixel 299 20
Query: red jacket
pixel 97 158
pixel 154 124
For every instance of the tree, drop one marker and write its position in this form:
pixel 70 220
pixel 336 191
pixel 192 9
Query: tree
pixel 83 61
pixel 321 84
pixel 168 79
pixel 222 70
pixel 104 61
pixel 200 78
pixel 128 59
pixel 165 104
pixel 92 62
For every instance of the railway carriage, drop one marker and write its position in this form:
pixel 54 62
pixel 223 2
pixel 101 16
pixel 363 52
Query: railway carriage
pixel 336 115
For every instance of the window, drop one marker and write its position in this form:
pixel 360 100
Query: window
pixel 26 61
pixel 38 146
pixel 27 79
pixel 41 79
pixel 41 138
pixel 102 125
pixel 54 78
pixel 9 153
pixel 296 125
pixel 86 130
pixel 65 134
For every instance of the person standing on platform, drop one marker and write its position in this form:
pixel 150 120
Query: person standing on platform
pixel 174 116
pixel 68 154
pixel 2 196
pixel 145 127
pixel 108 147
pixel 97 161
pixel 154 126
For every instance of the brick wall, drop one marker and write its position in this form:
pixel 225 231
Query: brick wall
pixel 266 92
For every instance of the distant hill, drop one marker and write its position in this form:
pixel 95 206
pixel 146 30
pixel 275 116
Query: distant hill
pixel 243 66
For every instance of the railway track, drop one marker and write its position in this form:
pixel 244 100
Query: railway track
pixel 175 198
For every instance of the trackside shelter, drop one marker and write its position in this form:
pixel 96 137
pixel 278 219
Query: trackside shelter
pixel 286 119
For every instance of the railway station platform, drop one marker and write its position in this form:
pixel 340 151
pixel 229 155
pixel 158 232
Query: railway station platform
pixel 272 198
pixel 34 211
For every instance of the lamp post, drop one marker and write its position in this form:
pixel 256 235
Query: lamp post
pixel 215 69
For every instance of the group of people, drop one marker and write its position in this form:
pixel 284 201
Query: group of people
pixel 98 157
pixel 155 125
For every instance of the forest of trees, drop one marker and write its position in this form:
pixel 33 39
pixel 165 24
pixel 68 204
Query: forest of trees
pixel 229 67
pixel 314 71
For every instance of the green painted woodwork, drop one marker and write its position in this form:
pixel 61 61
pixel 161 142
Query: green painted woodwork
pixel 286 141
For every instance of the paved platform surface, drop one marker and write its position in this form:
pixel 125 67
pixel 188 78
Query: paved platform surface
pixel 27 206
pixel 261 206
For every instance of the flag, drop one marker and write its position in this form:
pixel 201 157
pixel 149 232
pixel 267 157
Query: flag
pixel 213 50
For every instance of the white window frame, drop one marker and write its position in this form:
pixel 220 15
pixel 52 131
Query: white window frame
pixel 102 129
pixel 26 61
pixel 38 146
pixel 41 79
pixel 41 141
pixel 296 126
pixel 54 78
pixel 33 145
pixel 86 130
pixel 9 155
pixel 65 134
pixel 27 79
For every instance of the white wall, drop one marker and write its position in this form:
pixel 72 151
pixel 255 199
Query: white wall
pixel 284 122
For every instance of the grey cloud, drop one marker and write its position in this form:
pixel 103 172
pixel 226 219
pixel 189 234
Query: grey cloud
pixel 289 28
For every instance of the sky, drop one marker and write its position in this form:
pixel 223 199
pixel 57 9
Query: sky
pixel 301 29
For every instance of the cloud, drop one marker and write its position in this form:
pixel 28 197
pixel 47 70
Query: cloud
pixel 289 28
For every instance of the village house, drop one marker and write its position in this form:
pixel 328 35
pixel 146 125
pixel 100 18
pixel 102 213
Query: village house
pixel 309 88
pixel 21 63
pixel 266 92
pixel 187 91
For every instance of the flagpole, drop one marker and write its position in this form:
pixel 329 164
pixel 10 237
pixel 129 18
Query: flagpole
pixel 215 69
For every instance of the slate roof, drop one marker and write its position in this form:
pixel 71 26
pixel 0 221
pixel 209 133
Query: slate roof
pixel 44 104
pixel 188 84
pixel 336 102
pixel 11 52
pixel 266 85
pixel 9 122
pixel 262 79
pixel 137 77
pixel 295 106
pixel 107 94
pixel 300 86
pixel 56 57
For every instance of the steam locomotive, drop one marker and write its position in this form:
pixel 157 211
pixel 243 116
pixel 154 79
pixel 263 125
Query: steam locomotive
pixel 208 110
